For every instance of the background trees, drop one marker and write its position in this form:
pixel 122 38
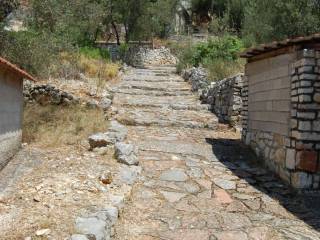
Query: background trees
pixel 268 20
pixel 55 26
pixel 6 7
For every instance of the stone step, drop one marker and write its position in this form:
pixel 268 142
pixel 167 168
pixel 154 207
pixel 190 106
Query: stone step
pixel 182 107
pixel 151 133
pixel 156 87
pixel 154 84
pixel 180 148
pixel 152 72
pixel 152 79
pixel 167 117
pixel 130 91
pixel 162 100
pixel 167 68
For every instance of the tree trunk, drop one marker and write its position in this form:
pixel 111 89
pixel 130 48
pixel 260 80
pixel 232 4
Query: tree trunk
pixel 116 32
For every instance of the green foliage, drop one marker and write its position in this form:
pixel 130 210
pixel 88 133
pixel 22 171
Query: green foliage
pixel 142 19
pixel 6 7
pixel 219 56
pixel 30 50
pixel 123 49
pixel 185 55
pixel 220 68
pixel 269 20
pixel 226 48
pixel 77 21
pixel 95 53
pixel 258 21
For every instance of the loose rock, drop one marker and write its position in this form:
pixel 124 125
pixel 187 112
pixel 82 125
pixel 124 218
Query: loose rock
pixel 43 232
pixel 175 175
pixel 126 153
pixel 79 237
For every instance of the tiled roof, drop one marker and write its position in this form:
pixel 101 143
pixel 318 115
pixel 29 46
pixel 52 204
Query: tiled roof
pixel 264 48
pixel 13 68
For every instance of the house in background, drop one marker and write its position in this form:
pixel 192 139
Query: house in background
pixel 11 109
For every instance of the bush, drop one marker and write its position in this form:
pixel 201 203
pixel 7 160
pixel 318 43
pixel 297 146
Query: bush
pixel 185 52
pixel 32 51
pixel 219 68
pixel 123 50
pixel 95 53
pixel 226 48
pixel 219 55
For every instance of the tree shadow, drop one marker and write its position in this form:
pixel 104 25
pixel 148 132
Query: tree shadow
pixel 243 162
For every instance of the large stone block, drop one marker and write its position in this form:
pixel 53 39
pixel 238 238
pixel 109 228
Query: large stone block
pixel 305 125
pixel 307 161
pixel 291 159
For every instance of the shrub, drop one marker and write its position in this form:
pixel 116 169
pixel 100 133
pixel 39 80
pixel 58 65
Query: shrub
pixel 98 68
pixel 32 51
pixel 219 55
pixel 226 48
pixel 185 52
pixel 95 53
pixel 123 49
pixel 219 68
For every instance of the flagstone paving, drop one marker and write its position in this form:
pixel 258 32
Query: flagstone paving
pixel 198 181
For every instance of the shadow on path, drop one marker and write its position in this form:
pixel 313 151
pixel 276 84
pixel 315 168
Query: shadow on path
pixel 242 161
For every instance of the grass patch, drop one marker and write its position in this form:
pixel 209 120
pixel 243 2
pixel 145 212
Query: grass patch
pixel 219 69
pixel 70 65
pixel 95 53
pixel 54 126
pixel 98 68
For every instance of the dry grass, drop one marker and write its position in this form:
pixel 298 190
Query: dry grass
pixel 54 126
pixel 98 68
pixel 220 69
pixel 99 71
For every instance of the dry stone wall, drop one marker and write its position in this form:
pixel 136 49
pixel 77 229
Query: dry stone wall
pixel 140 57
pixel 224 97
pixel 47 94
pixel 197 77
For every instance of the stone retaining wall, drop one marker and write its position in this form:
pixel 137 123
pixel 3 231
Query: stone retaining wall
pixel 139 57
pixel 224 97
pixel 47 94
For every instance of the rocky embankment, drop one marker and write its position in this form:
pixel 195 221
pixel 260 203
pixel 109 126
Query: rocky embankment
pixel 49 94
pixel 225 97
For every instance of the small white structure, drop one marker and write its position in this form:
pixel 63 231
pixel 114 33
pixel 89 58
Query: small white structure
pixel 11 109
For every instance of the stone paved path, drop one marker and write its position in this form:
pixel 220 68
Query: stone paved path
pixel 198 182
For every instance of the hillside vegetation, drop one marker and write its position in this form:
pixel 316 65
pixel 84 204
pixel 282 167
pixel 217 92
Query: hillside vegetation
pixel 54 28
pixel 238 24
